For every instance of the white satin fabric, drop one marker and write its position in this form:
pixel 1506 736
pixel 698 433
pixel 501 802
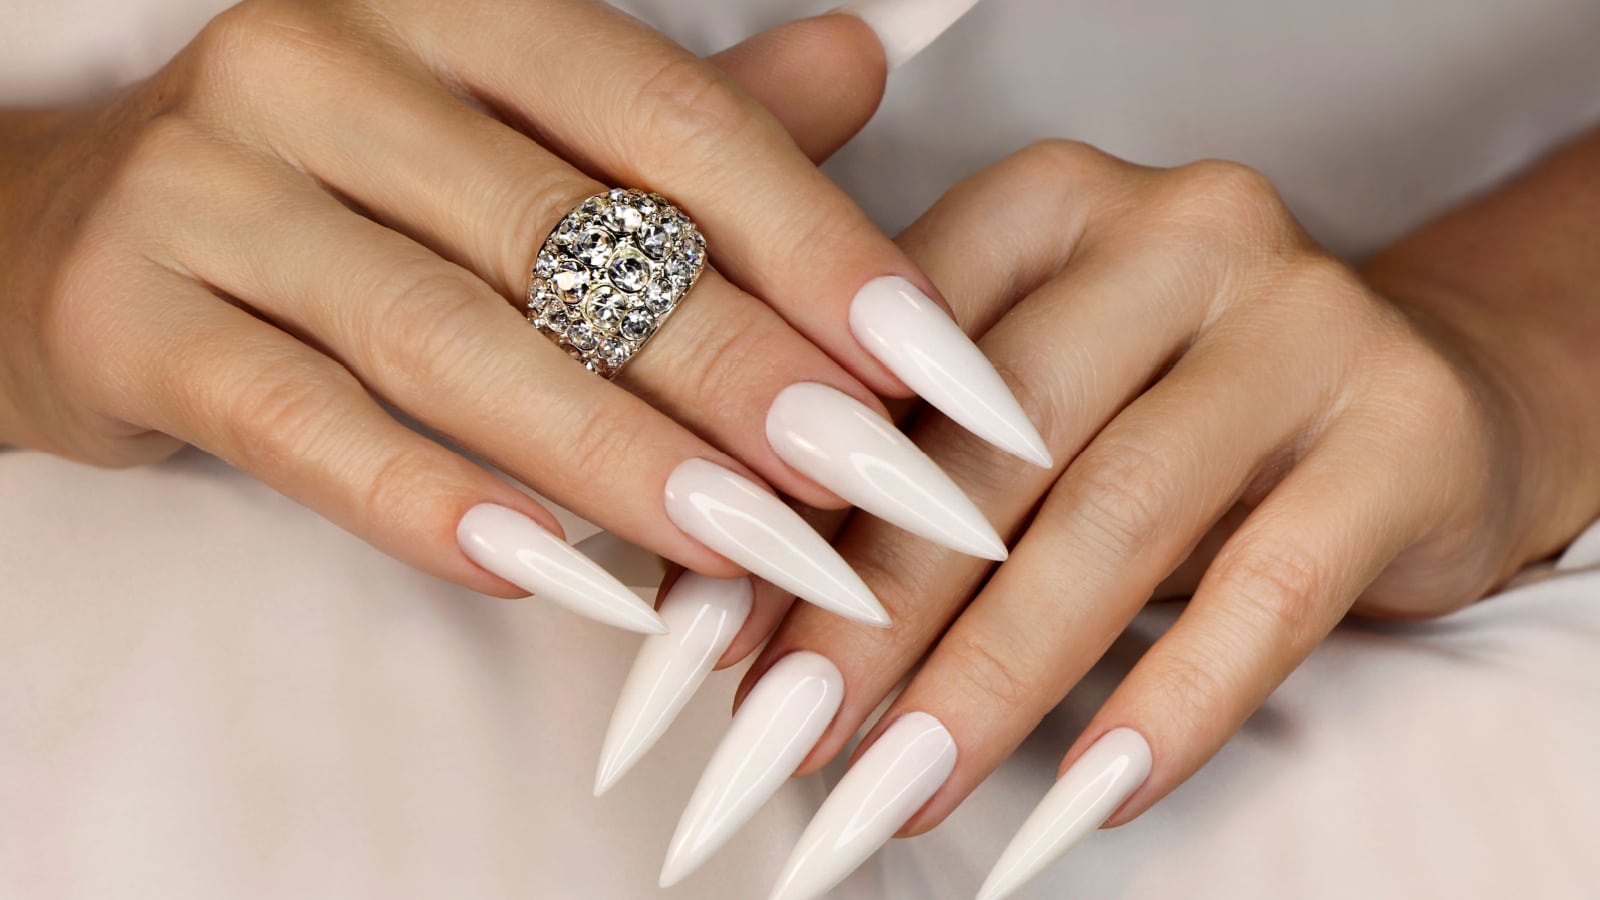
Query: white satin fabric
pixel 207 692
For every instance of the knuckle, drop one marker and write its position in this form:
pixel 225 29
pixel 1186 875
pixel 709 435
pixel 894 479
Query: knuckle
pixel 159 159
pixel 282 409
pixel 987 672
pixel 1120 493
pixel 1219 191
pixel 1190 688
pixel 250 48
pixel 1053 158
pixel 1272 587
pixel 390 493
pixel 740 351
pixel 1056 168
pixel 604 439
pixel 452 302
pixel 686 100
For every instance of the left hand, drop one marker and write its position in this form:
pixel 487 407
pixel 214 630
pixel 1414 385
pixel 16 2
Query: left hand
pixel 1206 377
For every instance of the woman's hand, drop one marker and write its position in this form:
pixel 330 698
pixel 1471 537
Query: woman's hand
pixel 317 201
pixel 1217 389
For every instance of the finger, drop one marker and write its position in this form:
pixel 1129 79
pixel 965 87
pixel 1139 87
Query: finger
pixel 438 343
pixel 214 376
pixel 773 603
pixel 1118 325
pixel 1123 515
pixel 484 196
pixel 821 78
pixel 627 102
pixel 640 110
pixel 1279 586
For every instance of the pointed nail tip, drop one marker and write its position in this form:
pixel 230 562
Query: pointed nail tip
pixel 684 857
pixel 881 620
pixel 990 548
pixel 1039 456
pixel 860 611
pixel 645 627
pixel 605 780
pixel 650 621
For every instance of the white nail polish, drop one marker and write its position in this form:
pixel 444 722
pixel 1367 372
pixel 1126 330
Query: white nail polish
pixel 856 453
pixel 1080 802
pixel 907 26
pixel 518 549
pixel 920 343
pixel 704 614
pixel 880 793
pixel 780 722
pixel 735 517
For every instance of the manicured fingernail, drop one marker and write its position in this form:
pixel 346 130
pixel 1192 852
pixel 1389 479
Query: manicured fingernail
pixel 704 614
pixel 732 515
pixel 856 453
pixel 778 725
pixel 920 343
pixel 880 793
pixel 907 26
pixel 1081 801
pixel 518 549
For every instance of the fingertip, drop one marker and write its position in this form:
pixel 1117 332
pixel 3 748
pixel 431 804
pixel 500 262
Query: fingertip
pixel 822 77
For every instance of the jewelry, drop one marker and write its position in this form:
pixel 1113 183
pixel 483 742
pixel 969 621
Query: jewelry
pixel 610 273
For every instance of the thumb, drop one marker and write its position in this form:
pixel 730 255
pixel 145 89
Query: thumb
pixel 823 77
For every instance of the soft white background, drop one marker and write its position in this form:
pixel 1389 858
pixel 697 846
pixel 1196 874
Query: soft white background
pixel 207 692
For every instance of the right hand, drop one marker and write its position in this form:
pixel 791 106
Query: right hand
pixel 309 207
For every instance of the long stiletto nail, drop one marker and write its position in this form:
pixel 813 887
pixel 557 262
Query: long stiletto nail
pixel 907 26
pixel 1081 801
pixel 880 793
pixel 920 343
pixel 704 614
pixel 516 548
pixel 735 517
pixel 863 458
pixel 778 725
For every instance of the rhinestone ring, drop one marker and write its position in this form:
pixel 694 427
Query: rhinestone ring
pixel 610 273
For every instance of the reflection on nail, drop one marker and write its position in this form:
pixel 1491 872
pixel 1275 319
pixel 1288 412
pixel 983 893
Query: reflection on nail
pixel 518 549
pixel 856 453
pixel 926 349
pixel 1103 777
pixel 779 724
pixel 704 614
pixel 880 793
pixel 732 515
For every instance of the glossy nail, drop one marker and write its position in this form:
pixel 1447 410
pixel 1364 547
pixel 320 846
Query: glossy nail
pixel 737 518
pixel 1080 802
pixel 919 342
pixel 704 614
pixel 778 725
pixel 880 793
pixel 856 453
pixel 518 549
pixel 907 26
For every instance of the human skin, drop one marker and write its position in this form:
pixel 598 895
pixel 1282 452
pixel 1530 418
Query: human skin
pixel 308 214
pixel 1236 415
